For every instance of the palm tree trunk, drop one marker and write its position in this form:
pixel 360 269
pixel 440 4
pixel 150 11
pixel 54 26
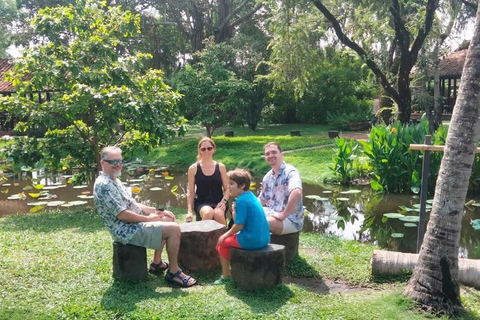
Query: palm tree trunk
pixel 434 282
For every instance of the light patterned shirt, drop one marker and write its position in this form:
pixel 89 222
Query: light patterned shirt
pixel 276 190
pixel 112 197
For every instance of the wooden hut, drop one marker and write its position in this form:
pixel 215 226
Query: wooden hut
pixel 450 70
pixel 6 89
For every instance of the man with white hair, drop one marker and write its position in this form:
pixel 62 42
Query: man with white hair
pixel 134 223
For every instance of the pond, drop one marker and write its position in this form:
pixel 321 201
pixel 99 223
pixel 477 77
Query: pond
pixel 355 214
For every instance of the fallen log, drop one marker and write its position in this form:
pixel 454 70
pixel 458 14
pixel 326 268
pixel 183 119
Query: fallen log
pixel 390 262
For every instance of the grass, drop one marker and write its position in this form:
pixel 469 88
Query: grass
pixel 58 265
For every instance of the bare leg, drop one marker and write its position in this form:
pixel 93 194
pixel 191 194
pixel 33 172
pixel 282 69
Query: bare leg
pixel 219 216
pixel 206 213
pixel 225 267
pixel 276 226
pixel 171 233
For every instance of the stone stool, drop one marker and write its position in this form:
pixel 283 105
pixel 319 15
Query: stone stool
pixel 198 245
pixel 129 262
pixel 257 269
pixel 290 241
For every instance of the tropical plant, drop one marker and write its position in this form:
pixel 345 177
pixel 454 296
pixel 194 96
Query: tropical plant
pixel 343 160
pixel 98 92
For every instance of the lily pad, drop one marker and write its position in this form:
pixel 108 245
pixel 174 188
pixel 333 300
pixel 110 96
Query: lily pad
pixel 410 225
pixel 342 199
pixel 26 188
pixel 155 189
pixel 16 197
pixel 51 187
pixel 77 203
pixel 393 215
pixel 67 205
pixel 169 178
pixel 80 187
pixel 37 203
pixel 84 196
pixel 410 218
pixel 36 209
pixel 327 191
pixel 55 203
pixel 397 235
pixel 315 197
pixel 135 180
pixel 476 224
pixel 430 201
pixel 351 191
pixel 417 206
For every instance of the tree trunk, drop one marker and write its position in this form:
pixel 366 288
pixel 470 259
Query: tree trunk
pixel 434 282
pixel 393 263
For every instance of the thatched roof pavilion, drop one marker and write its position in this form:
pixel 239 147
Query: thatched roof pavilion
pixel 450 70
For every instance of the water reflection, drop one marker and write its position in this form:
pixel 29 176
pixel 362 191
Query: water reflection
pixel 355 215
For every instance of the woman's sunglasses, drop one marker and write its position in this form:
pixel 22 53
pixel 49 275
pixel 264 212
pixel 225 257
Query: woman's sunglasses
pixel 114 162
pixel 207 148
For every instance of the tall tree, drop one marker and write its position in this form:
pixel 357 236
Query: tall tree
pixel 214 95
pixel 8 13
pixel 99 94
pixel 434 282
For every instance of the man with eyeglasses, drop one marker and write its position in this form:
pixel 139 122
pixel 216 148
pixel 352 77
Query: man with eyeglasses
pixel 281 194
pixel 134 223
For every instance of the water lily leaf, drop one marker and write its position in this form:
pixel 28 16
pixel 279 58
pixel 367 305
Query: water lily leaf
pixel 77 203
pixel 36 209
pixel 67 205
pixel 26 188
pixel 55 203
pixel 25 168
pixel 38 186
pixel 469 203
pixel 393 215
pixel 6 185
pixel 410 218
pixel 397 235
pixel 174 189
pixel 34 195
pixel 314 197
pixel 342 199
pixel 417 206
pixel 327 191
pixel 143 177
pixel 476 204
pixel 351 191
pixel 86 192
pixel 85 196
pixel 51 187
pixel 37 203
pixel 155 189
pixel 169 178
pixel 15 197
pixel 135 180
pixel 430 201
pixel 16 184
pixel 5 191
pixel 476 224
pixel 336 218
pixel 410 225
pixel 80 187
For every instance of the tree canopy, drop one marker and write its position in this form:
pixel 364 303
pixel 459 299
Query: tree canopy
pixel 99 92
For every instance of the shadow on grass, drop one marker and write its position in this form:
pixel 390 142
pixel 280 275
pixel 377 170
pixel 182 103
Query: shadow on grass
pixel 85 220
pixel 388 278
pixel 262 301
pixel 122 297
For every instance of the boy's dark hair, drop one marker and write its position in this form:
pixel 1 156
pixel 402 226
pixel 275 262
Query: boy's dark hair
pixel 240 176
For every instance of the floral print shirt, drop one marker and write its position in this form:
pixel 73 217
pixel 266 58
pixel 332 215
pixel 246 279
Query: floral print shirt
pixel 276 190
pixel 112 197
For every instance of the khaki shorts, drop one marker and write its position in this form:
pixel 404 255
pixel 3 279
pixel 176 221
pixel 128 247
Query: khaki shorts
pixel 149 235
pixel 288 225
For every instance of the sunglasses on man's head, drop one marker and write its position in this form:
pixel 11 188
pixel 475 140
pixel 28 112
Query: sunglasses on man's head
pixel 207 148
pixel 114 162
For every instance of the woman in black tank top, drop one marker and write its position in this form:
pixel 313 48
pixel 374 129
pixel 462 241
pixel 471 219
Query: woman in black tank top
pixel 207 185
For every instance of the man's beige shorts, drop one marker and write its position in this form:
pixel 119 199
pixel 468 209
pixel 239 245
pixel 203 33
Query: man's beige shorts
pixel 149 235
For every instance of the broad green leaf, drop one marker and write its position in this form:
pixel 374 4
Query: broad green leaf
pixel 410 225
pixel 410 218
pixel 393 215
pixel 397 235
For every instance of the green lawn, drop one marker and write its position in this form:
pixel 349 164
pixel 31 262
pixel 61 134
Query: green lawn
pixel 58 265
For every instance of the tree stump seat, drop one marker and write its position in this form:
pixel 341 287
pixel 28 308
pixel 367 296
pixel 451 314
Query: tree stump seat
pixel 129 262
pixel 333 134
pixel 257 269
pixel 290 241
pixel 295 133
pixel 198 245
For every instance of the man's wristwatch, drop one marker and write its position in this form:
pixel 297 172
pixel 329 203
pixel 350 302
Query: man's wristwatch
pixel 160 208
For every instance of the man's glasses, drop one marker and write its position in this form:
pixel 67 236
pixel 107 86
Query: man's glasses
pixel 114 162
pixel 207 148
